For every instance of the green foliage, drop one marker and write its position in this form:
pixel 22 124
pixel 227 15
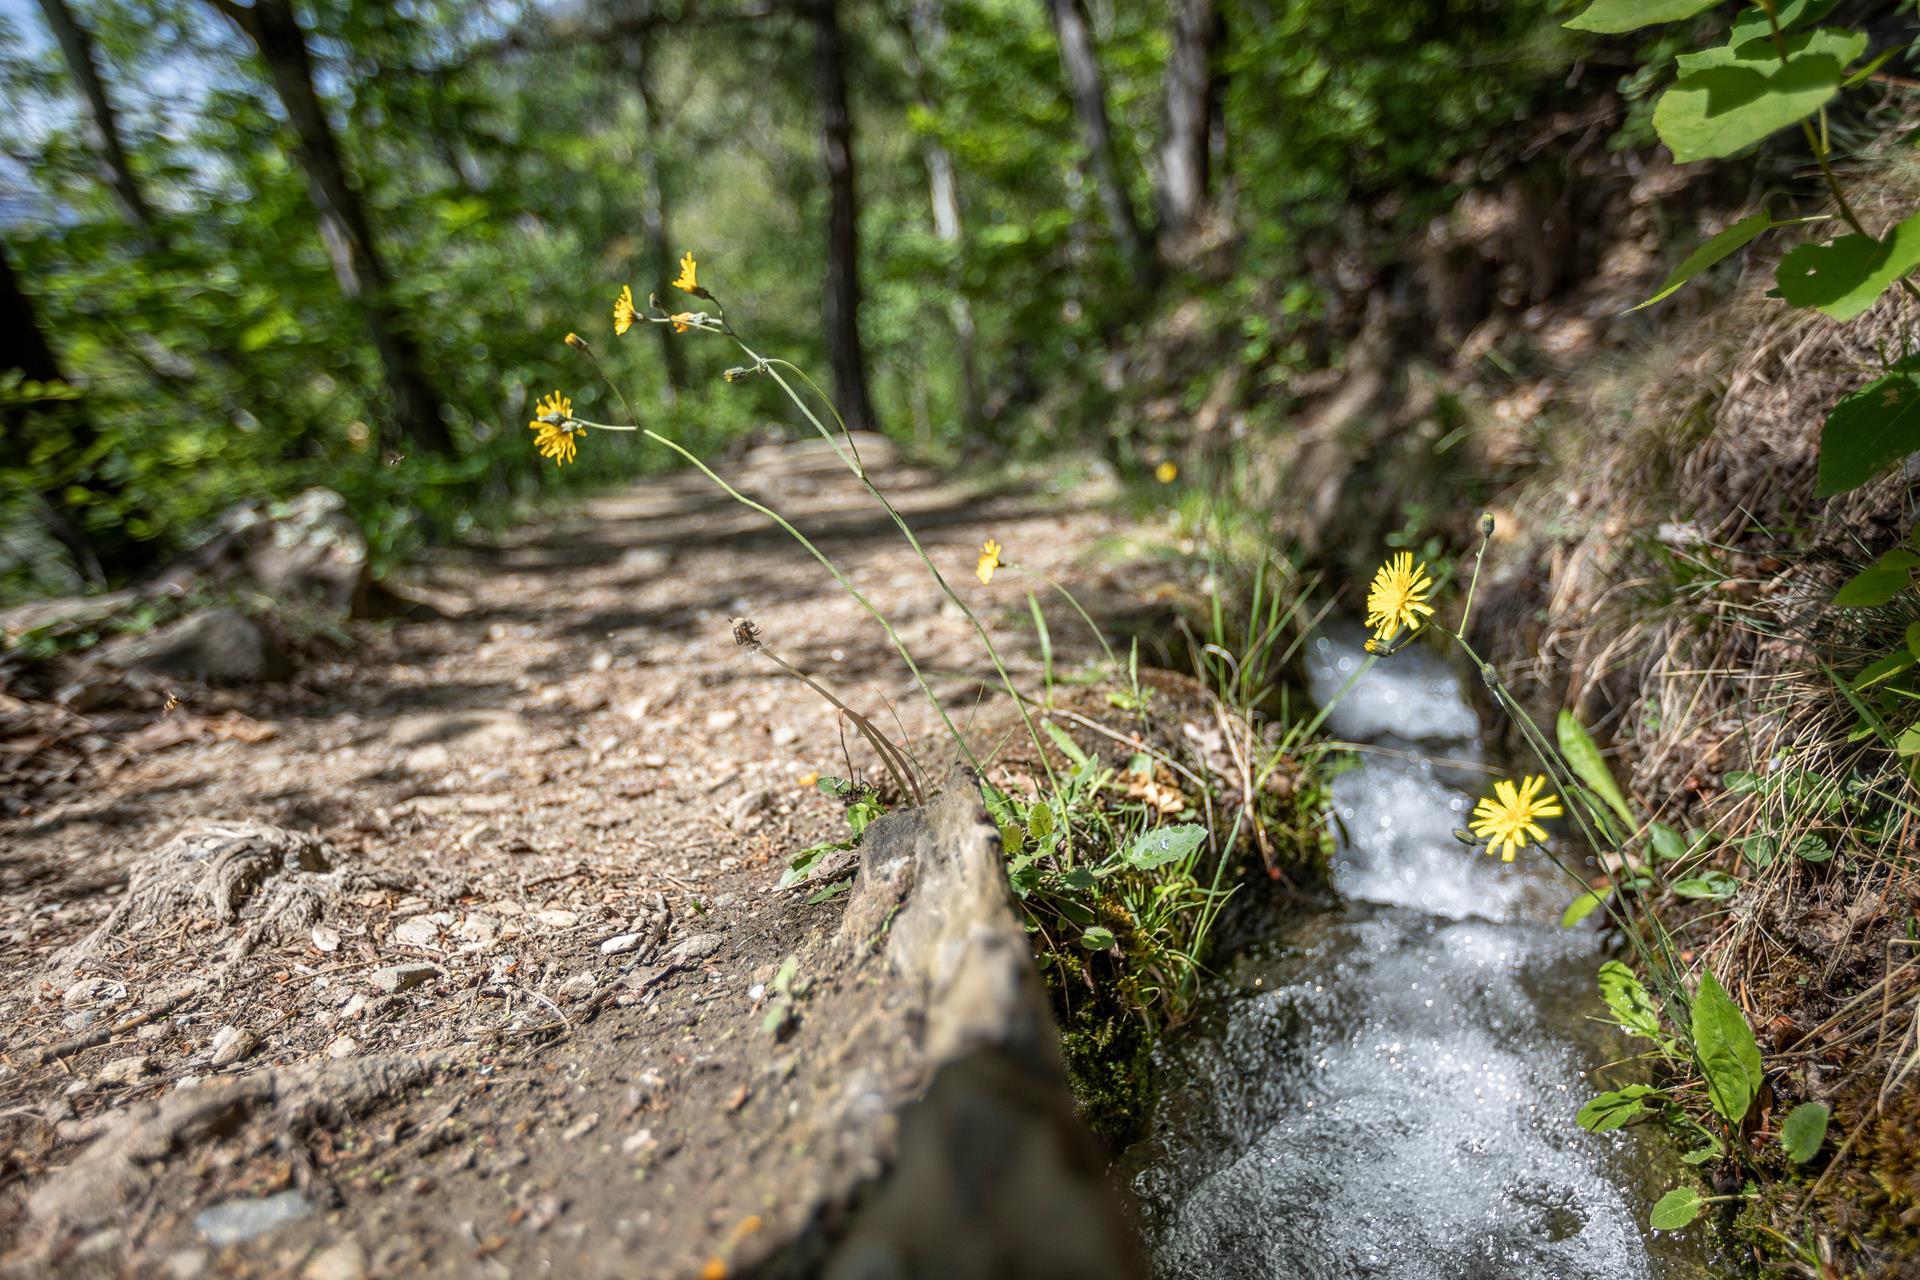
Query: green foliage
pixel 1676 1209
pixel 1633 1009
pixel 1583 756
pixel 1871 429
pixel 1615 1109
pixel 1724 1046
pixel 1804 1129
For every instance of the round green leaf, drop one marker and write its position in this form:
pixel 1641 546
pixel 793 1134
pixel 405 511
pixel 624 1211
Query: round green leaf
pixel 1676 1209
pixel 1804 1130
pixel 1098 938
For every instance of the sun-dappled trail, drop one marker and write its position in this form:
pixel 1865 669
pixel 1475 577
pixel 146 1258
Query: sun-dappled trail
pixel 552 822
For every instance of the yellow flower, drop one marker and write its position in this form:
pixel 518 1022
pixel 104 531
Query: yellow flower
pixel 557 442
pixel 1398 597
pixel 682 321
pixel 556 429
pixel 687 279
pixel 624 312
pixel 1167 472
pixel 1509 819
pixel 989 561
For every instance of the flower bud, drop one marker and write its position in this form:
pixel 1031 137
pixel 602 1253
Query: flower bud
pixel 577 342
pixel 1486 524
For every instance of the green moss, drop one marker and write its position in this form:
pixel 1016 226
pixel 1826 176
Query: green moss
pixel 1108 1067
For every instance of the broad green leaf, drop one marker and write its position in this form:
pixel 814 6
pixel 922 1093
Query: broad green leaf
pixel 1610 17
pixel 1869 430
pixel 1844 277
pixel 1098 938
pixel 1717 885
pixel 1632 1007
pixel 1724 1044
pixel 1803 1132
pixel 1610 1111
pixel 1759 850
pixel 1676 1209
pixel 1582 907
pixel 1040 820
pixel 1908 743
pixel 1161 845
pixel 1913 639
pixel 1668 845
pixel 1880 581
pixel 1718 111
pixel 1750 50
pixel 1583 753
pixel 1752 23
pixel 833 890
pixel 1719 247
pixel 1811 848
pixel 1885 669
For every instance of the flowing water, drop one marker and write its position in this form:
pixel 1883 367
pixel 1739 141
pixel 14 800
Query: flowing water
pixel 1388 1089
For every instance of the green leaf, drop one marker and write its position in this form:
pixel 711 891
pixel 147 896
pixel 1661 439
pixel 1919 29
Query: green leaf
pixel 1871 429
pixel 1913 639
pixel 1098 938
pixel 1582 907
pixel 1727 242
pixel 1067 745
pixel 1844 276
pixel 1583 753
pixel 1632 1007
pixel 1811 848
pixel 1668 845
pixel 1717 885
pixel 1040 820
pixel 1610 1111
pixel 1724 1044
pixel 1886 668
pixel 1804 1130
pixel 833 890
pixel 1752 23
pixel 1879 582
pixel 1742 49
pixel 1610 17
pixel 1718 111
pixel 1759 850
pixel 1161 845
pixel 1676 1209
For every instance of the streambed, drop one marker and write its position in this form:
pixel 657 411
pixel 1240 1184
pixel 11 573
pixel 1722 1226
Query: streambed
pixel 1387 1088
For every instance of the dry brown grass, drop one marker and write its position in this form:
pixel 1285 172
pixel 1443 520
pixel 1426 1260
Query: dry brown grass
pixel 1673 585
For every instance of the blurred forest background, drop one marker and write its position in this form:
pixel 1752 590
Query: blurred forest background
pixel 253 246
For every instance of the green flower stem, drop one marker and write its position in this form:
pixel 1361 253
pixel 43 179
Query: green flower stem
pixel 1091 626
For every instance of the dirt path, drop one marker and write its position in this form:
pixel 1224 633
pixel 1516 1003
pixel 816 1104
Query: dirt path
pixel 552 829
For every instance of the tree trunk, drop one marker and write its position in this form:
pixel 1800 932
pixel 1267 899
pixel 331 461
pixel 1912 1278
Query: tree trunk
pixel 275 32
pixel 1087 89
pixel 76 46
pixel 1185 151
pixel 656 212
pixel 26 349
pixel 926 36
pixel 842 310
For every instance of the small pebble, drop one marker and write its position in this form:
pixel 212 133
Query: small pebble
pixel 621 944
pixel 403 977
pixel 125 1070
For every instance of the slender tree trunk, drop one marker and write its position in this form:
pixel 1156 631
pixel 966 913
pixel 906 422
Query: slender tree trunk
pixel 76 46
pixel 656 212
pixel 1185 151
pixel 1086 87
pixel 275 32
pixel 842 310
pixel 926 37
pixel 24 346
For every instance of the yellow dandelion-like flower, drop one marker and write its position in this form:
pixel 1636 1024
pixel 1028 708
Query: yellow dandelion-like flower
pixel 989 561
pixel 1398 597
pixel 624 312
pixel 555 429
pixel 1167 472
pixel 558 442
pixel 1509 819
pixel 682 322
pixel 687 279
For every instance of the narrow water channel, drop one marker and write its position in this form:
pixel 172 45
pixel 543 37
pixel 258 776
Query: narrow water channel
pixel 1387 1089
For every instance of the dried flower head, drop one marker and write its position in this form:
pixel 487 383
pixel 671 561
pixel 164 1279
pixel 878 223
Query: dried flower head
pixel 1398 598
pixel 624 313
pixel 1509 819
pixel 989 561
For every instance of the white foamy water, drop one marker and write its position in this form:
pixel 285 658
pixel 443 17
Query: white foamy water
pixel 1388 1091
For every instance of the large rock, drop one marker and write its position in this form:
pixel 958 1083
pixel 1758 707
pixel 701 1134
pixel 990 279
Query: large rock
pixel 308 549
pixel 215 646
